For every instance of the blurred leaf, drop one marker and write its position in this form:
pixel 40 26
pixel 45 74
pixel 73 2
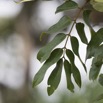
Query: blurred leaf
pixel 55 77
pixel 99 51
pixel 22 1
pixel 75 47
pixel 95 41
pixel 68 72
pixel 95 68
pixel 101 79
pixel 94 71
pixel 67 6
pixel 44 52
pixel 81 32
pixel 86 15
pixel 54 57
pixel 60 25
pixel 97 5
pixel 96 63
pixel 75 71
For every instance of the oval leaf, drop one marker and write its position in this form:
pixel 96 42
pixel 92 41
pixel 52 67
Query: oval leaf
pixel 60 25
pixel 81 33
pixel 67 6
pixel 44 52
pixel 54 57
pixel 75 45
pixel 70 55
pixel 75 71
pixel 55 77
pixel 68 72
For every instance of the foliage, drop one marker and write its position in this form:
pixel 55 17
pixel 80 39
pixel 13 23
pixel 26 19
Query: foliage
pixel 66 57
pixel 88 95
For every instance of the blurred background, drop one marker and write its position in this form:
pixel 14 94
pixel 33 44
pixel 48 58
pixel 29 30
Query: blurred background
pixel 20 29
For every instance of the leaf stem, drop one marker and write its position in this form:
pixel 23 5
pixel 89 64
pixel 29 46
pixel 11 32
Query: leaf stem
pixel 76 17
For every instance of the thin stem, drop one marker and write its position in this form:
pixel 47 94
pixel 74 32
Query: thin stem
pixel 76 17
pixel 74 22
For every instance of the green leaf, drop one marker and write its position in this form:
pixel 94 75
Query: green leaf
pixel 95 41
pixel 60 25
pixel 75 71
pixel 97 5
pixel 101 79
pixel 81 32
pixel 70 55
pixel 96 63
pixel 44 52
pixel 54 57
pixel 55 77
pixel 75 47
pixel 68 5
pixel 99 51
pixel 68 72
pixel 95 68
pixel 86 15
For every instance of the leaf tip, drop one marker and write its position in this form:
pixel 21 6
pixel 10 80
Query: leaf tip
pixel 50 90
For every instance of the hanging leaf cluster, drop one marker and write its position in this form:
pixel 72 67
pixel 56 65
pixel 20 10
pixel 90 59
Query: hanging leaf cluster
pixel 64 58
